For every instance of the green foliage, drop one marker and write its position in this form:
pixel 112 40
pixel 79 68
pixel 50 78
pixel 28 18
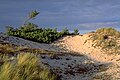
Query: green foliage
pixel 26 67
pixel 31 31
pixel 9 29
pixel 65 31
pixel 28 27
pixel 106 38
pixel 76 31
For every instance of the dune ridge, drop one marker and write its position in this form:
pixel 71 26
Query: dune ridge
pixel 79 44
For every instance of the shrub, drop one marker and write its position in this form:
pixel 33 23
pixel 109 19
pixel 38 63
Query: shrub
pixel 65 31
pixel 76 31
pixel 9 30
pixel 28 27
pixel 31 31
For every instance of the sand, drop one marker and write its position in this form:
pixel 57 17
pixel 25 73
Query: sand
pixel 83 45
pixel 100 65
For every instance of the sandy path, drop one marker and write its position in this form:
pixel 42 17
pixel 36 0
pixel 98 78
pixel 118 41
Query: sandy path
pixel 77 44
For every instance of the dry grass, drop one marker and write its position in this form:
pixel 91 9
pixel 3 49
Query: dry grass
pixel 26 67
pixel 12 50
pixel 17 63
pixel 107 39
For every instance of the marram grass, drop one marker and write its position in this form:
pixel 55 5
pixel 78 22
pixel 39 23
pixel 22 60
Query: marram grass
pixel 26 67
pixel 107 39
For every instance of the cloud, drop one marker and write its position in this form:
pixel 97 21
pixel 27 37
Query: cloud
pixel 94 26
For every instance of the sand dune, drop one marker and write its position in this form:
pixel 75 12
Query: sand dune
pixel 83 45
pixel 93 59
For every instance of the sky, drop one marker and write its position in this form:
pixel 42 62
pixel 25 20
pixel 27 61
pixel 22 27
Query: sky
pixel 81 14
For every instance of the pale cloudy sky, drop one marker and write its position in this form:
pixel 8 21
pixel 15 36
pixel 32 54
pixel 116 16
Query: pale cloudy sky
pixel 81 14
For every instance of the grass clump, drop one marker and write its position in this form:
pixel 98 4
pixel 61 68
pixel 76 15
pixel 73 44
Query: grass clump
pixel 107 39
pixel 108 32
pixel 7 49
pixel 26 67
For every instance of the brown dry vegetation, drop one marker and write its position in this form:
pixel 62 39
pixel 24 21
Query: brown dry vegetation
pixel 108 39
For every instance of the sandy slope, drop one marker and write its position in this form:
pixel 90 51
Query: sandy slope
pixel 27 43
pixel 82 45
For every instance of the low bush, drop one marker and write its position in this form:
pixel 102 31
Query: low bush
pixel 42 35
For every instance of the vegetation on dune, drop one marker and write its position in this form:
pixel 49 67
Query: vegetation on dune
pixel 32 15
pixel 7 50
pixel 108 39
pixel 76 31
pixel 109 32
pixel 43 35
pixel 26 67
pixel 31 31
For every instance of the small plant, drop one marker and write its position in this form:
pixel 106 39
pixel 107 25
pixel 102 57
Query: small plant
pixel 76 31
pixel 65 31
pixel 32 15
